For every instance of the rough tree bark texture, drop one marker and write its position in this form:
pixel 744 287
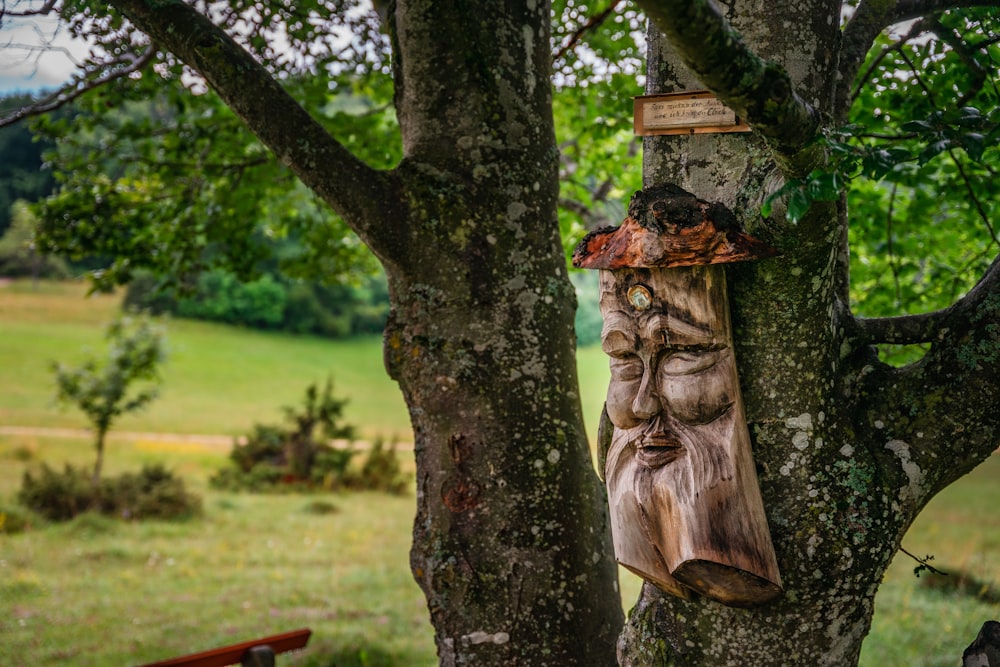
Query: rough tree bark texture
pixel 847 449
pixel 511 539
pixel 511 542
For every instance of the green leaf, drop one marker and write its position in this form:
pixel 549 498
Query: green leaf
pixel 917 126
pixel 798 204
pixel 933 149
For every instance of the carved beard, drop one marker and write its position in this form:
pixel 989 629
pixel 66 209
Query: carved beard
pixel 687 459
pixel 652 469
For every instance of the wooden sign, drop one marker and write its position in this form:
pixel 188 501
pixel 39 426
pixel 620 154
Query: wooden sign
pixel 684 113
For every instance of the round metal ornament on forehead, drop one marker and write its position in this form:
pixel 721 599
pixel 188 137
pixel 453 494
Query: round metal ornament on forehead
pixel 640 297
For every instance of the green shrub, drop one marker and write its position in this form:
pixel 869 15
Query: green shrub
pixel 14 520
pixel 329 468
pixel 22 453
pixel 269 302
pixel 297 454
pixel 265 443
pixel 153 493
pixel 320 508
pixel 145 293
pixel 18 255
pixel 381 471
pixel 54 495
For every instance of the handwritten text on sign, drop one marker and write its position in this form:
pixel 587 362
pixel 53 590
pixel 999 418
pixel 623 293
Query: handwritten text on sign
pixel 701 112
pixel 689 112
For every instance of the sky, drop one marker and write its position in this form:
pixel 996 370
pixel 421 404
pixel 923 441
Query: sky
pixel 25 63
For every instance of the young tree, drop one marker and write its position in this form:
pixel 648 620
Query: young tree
pixel 511 544
pixel 124 381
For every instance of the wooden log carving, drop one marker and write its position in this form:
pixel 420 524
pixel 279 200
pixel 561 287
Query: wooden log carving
pixel 686 510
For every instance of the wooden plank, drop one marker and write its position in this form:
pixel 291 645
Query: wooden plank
pixel 232 655
pixel 697 112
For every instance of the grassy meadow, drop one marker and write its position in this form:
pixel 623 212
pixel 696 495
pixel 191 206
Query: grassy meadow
pixel 100 592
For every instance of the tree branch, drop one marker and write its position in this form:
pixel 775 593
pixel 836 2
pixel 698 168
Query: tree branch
pixel 123 66
pixel 269 111
pixel 758 91
pixel 590 24
pixel 40 11
pixel 869 20
pixel 903 330
pixel 938 416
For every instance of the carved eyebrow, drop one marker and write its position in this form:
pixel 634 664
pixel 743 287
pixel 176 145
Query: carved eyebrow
pixel 618 333
pixel 678 331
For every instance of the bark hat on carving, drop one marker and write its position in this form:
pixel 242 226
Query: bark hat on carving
pixel 686 510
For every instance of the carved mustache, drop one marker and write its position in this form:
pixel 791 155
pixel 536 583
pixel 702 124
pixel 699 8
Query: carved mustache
pixel 659 441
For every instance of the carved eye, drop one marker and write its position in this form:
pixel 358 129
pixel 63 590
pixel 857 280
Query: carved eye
pixel 690 362
pixel 640 297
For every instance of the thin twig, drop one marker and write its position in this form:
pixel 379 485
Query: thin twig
pixel 975 200
pixel 41 11
pixel 78 87
pixel 924 564
pixel 588 25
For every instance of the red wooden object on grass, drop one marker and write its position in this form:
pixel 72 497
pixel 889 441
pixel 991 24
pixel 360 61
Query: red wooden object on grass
pixel 234 654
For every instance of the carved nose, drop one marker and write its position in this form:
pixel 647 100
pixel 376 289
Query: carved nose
pixel 647 404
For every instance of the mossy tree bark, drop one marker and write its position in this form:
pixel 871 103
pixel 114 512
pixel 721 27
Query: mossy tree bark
pixel 848 450
pixel 511 540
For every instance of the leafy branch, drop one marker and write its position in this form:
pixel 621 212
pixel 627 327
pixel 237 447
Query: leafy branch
pixel 923 564
pixel 941 131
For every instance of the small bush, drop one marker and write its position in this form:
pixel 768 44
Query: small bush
pixel 298 455
pixel 265 443
pixel 22 453
pixel 330 467
pixel 153 493
pixel 54 495
pixel 381 471
pixel 320 508
pixel 14 520
pixel 144 292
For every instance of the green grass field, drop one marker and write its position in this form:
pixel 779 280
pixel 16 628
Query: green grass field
pixel 100 592
pixel 217 379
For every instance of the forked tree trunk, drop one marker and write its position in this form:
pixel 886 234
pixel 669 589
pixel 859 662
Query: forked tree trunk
pixel 830 518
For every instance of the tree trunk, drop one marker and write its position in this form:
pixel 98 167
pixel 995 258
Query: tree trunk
pixel 511 539
pixel 95 477
pixel 829 516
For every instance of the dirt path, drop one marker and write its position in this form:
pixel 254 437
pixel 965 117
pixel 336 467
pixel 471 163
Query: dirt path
pixel 47 432
pixel 210 441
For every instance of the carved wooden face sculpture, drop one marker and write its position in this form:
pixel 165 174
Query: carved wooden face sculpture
pixel 686 512
pixel 685 508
